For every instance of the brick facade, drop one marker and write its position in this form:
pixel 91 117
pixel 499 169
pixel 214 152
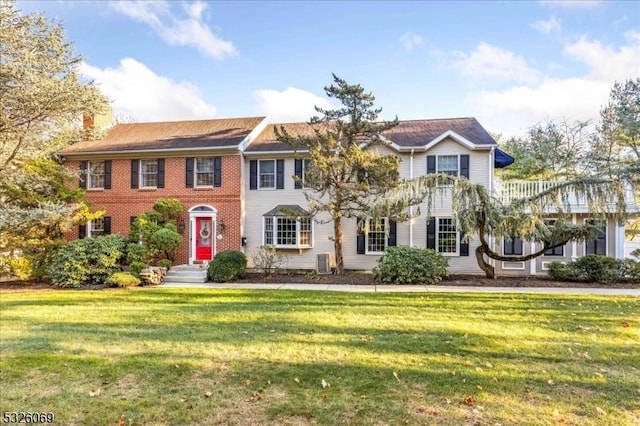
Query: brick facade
pixel 121 202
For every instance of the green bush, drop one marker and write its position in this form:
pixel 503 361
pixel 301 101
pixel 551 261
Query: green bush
pixel 169 208
pixel 21 268
pixel 602 269
pixel 227 266
pixel 122 279
pixel 136 267
pixel 406 265
pixel 165 240
pixel 631 269
pixel 87 260
pixel 165 263
pixel 137 253
pixel 563 271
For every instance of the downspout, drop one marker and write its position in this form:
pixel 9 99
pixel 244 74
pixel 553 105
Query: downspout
pixel 411 207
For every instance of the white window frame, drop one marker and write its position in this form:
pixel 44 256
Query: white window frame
pixel 90 174
pixel 142 174
pixel 270 224
pixel 385 234
pixel 92 230
pixel 457 252
pixel 457 164
pixel 196 172
pixel 275 172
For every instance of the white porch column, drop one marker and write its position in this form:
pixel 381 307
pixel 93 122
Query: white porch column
pixel 532 262
pixel 619 241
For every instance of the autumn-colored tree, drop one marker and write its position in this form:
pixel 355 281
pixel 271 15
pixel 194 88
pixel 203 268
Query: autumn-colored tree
pixel 344 174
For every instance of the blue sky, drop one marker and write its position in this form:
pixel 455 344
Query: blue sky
pixel 510 64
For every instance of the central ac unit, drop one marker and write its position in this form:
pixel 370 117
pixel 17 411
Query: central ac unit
pixel 324 263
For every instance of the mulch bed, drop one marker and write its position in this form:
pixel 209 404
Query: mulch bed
pixel 359 278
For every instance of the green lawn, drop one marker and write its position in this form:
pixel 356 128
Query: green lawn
pixel 178 357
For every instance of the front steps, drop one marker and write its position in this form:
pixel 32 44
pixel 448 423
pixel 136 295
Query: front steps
pixel 186 274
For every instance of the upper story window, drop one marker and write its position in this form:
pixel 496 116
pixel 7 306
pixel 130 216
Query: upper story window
pixel 96 171
pixel 288 227
pixel 512 246
pixel 301 167
pixel 454 165
pixel 147 174
pixel 266 174
pixel 95 174
pixel 598 245
pixel 205 172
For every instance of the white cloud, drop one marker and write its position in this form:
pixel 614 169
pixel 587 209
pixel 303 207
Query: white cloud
pixel 545 27
pixel 138 92
pixel 410 41
pixel 491 62
pixel 605 62
pixel 571 4
pixel 576 98
pixel 177 31
pixel 290 105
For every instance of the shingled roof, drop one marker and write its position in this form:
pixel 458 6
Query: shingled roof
pixel 407 134
pixel 172 135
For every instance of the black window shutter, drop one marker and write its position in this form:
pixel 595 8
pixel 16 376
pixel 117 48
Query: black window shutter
pixel 464 247
pixel 107 174
pixel 279 174
pixel 391 241
pixel 360 242
pixel 298 173
pixel 464 166
pixel 83 175
pixel 107 225
pixel 161 173
pixel 217 171
pixel 135 164
pixel 253 174
pixel 189 173
pixel 431 164
pixel 82 230
pixel 431 233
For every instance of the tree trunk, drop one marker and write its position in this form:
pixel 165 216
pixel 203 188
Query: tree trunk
pixel 337 244
pixel 488 269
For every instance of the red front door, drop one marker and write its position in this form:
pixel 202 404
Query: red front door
pixel 204 238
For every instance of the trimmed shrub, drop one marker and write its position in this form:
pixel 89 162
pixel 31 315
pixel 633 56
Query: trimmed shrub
pixel 602 269
pixel 165 241
pixel 631 269
pixel 21 268
pixel 563 271
pixel 137 253
pixel 165 263
pixel 136 267
pixel 227 266
pixel 122 279
pixel 87 260
pixel 407 265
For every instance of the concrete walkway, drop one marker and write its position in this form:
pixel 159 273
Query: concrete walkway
pixel 407 288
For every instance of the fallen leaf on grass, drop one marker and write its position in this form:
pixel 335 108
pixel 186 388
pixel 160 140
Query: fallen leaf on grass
pixel 600 411
pixel 396 376
pixel 121 422
pixel 488 365
pixel 468 400
pixel 550 382
pixel 208 394
pixel 625 324
pixel 296 380
pixel 324 384
pixel 94 392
